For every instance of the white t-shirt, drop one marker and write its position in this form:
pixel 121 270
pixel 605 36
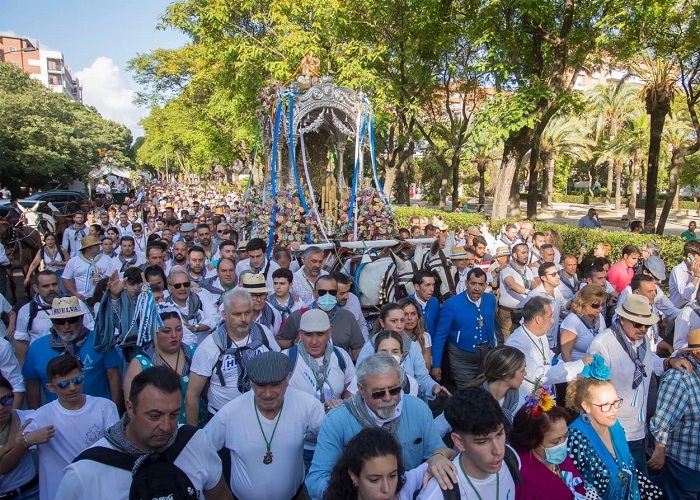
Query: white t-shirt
pixel 236 428
pixel 584 335
pixel 558 304
pixel 6 308
pixel 75 431
pixel 502 483
pixel 115 264
pixel 9 366
pixel 77 270
pixel 205 359
pixel 244 266
pixel 88 480
pixel 508 297
pixel 42 324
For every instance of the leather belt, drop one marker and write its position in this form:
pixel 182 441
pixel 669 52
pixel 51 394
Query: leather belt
pixel 22 489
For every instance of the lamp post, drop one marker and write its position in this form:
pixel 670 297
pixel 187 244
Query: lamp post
pixel 28 48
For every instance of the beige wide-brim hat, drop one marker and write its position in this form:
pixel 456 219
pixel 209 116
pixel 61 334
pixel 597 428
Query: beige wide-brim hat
pixel 693 341
pixel 255 283
pixel 89 241
pixel 637 308
pixel 458 253
pixel 501 252
pixel 65 307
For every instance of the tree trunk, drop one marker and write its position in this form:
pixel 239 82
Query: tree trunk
pixel 608 191
pixel 533 185
pixel 548 163
pixel 677 159
pixel 514 149
pixel 636 169
pixel 442 192
pixel 515 197
pixel 677 199
pixel 481 168
pixel 657 112
pixel 455 181
pixel 618 185
pixel 401 185
pixel 390 173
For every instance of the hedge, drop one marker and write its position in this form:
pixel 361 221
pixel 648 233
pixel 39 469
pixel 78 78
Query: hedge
pixel 573 236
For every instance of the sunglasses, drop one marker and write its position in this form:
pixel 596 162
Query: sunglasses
pixel 597 305
pixel 63 384
pixel 7 400
pixel 63 321
pixel 222 231
pixel 177 286
pixel 137 230
pixel 637 325
pixel 392 392
pixel 321 293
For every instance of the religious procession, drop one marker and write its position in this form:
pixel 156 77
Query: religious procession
pixel 293 334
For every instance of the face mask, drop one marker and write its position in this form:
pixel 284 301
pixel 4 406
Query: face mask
pixel 397 358
pixel 556 454
pixel 326 302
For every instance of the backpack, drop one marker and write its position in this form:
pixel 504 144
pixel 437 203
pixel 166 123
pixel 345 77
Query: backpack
pixel 294 352
pixel 157 477
pixel 511 461
pixel 222 349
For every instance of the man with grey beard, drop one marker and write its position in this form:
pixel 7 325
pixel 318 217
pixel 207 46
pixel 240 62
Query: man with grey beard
pixel 380 402
pixel 33 319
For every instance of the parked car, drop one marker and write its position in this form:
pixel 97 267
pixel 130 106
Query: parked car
pixel 58 197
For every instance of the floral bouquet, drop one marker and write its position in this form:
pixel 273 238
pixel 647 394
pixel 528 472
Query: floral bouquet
pixel 539 400
pixel 374 219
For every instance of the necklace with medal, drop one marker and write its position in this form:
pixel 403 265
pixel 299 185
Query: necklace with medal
pixel 267 459
pixel 539 347
pixel 498 482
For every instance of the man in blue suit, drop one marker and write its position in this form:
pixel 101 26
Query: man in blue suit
pixel 467 326
pixel 424 283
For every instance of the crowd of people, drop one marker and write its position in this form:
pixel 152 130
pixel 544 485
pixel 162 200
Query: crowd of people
pixel 546 375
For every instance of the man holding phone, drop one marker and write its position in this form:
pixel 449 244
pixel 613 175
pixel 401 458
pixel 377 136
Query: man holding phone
pixel 590 220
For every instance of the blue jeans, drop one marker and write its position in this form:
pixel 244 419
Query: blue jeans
pixel 32 494
pixel 308 457
pixel 638 452
pixel 680 482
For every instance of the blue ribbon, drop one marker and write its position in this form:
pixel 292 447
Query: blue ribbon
pixel 373 156
pixel 356 170
pixel 273 178
pixel 293 161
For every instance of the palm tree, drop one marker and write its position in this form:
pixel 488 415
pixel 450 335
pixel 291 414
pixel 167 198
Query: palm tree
pixel 609 107
pixel 564 135
pixel 629 144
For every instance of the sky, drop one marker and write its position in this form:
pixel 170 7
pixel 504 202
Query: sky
pixel 97 38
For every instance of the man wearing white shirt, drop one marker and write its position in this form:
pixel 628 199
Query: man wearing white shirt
pixel 197 308
pixel 124 225
pixel 625 348
pixel 531 337
pixel 305 278
pixel 569 283
pixel 73 235
pixel 516 282
pixel 687 321
pixel 83 271
pixel 257 261
pixel 265 440
pixel 127 257
pixel 549 288
pixel 349 301
pixel 685 277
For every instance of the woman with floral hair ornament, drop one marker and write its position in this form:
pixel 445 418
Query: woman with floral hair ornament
pixel 539 435
pixel 597 443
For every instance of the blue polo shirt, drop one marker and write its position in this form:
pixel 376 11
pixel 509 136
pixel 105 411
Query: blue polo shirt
pixel 94 366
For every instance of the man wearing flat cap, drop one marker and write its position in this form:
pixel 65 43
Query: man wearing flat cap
pixel 626 350
pixel 264 431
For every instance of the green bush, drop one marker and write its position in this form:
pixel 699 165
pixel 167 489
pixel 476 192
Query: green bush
pixel 573 236
pixel 688 205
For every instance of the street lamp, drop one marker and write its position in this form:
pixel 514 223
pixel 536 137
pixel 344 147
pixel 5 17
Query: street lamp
pixel 24 49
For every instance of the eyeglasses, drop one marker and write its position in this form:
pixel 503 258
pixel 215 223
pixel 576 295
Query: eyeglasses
pixel 606 407
pixel 597 305
pixel 392 392
pixel 63 321
pixel 7 400
pixel 321 293
pixel 258 295
pixel 177 286
pixel 637 325
pixel 63 384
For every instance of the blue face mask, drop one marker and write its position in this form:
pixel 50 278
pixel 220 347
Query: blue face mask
pixel 326 302
pixel 556 454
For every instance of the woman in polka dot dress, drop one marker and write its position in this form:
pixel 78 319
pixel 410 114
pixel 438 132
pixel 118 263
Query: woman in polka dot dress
pixel 597 443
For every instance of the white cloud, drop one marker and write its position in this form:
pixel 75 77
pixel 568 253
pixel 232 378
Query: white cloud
pixel 105 87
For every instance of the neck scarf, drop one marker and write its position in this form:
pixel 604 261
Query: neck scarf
pixel 358 409
pixel 522 274
pixel 635 354
pixel 116 435
pixel 41 305
pixel 567 283
pixel 284 310
pixel 320 372
pixel 510 401
pixel 266 316
pixel 193 307
pixel 72 347
pixel 126 263
pixel 94 274
pixel 79 233
pixel 242 354
pixel 151 353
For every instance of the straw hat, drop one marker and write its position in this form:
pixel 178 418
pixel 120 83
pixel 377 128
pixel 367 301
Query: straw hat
pixel 458 253
pixel 693 341
pixel 65 307
pixel 501 252
pixel 255 283
pixel 89 241
pixel 637 308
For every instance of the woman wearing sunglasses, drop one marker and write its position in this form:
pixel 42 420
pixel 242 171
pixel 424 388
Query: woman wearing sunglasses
pixel 597 443
pixel 17 469
pixel 583 324
pixel 168 350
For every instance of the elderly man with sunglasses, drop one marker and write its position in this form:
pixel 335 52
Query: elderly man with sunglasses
pixel 380 402
pixel 625 348
pixel 68 335
pixel 345 331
